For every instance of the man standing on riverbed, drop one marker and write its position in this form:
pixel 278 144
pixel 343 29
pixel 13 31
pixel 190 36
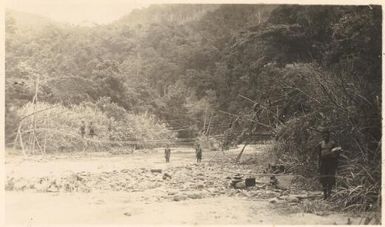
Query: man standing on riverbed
pixel 198 152
pixel 328 154
pixel 167 153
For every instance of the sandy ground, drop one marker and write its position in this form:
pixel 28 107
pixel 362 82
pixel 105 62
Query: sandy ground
pixel 122 190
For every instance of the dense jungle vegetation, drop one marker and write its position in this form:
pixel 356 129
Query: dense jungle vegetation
pixel 231 71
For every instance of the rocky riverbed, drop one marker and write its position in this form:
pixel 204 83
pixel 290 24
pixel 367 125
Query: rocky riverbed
pixel 144 180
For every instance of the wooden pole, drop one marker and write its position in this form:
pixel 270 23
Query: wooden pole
pixel 35 140
pixel 240 153
pixel 22 144
pixel 45 134
pixel 204 121
pixel 19 134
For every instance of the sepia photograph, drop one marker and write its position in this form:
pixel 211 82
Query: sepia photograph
pixel 144 113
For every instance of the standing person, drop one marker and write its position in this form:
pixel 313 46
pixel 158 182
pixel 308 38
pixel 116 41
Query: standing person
pixel 167 153
pixel 198 153
pixel 91 133
pixel 83 129
pixel 82 134
pixel 328 153
pixel 91 129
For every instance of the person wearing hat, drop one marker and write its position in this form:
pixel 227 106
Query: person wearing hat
pixel 328 153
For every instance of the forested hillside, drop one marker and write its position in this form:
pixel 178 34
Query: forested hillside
pixel 161 67
pixel 233 71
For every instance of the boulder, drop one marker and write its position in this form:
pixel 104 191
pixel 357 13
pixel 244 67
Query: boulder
pixel 284 182
pixel 250 182
pixel 276 168
pixel 179 197
pixel 240 185
pixel 292 199
pixel 276 200
pixel 171 193
pixel 156 171
pixel 273 200
pixel 195 195
pixel 166 176
pixel 200 186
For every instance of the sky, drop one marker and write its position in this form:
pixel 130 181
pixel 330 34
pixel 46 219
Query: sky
pixel 106 11
pixel 90 11
pixel 78 11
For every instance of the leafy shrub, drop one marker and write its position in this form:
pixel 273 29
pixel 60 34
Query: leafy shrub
pixel 355 124
pixel 58 128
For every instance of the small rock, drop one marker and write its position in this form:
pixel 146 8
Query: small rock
pixel 156 171
pixel 292 199
pixel 171 193
pixel 276 200
pixel 195 196
pixel 127 214
pixel 166 176
pixel 273 200
pixel 200 186
pixel 240 185
pixel 179 197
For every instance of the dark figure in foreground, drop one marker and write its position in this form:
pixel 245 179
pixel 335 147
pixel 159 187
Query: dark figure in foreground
pixel 198 152
pixel 328 154
pixel 167 153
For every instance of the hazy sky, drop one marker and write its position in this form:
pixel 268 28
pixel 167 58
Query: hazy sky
pixel 105 11
pixel 97 11
pixel 78 11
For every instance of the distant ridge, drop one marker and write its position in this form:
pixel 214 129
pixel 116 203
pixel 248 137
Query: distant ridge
pixel 167 13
